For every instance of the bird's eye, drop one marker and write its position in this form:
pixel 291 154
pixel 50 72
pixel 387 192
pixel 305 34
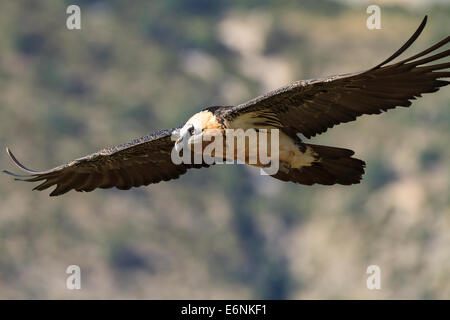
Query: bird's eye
pixel 191 130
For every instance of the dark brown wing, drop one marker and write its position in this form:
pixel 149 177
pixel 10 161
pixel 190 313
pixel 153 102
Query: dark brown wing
pixel 312 106
pixel 139 162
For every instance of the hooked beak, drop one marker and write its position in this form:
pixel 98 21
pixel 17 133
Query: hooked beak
pixel 179 144
pixel 182 141
pixel 178 138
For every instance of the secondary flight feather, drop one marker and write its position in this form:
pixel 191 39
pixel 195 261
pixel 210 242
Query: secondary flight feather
pixel 308 107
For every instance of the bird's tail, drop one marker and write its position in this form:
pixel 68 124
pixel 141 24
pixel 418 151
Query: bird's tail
pixel 332 166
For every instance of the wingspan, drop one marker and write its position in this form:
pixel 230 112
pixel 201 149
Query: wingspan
pixel 139 162
pixel 312 106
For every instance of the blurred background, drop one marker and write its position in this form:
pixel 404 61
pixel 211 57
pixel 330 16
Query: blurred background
pixel 139 66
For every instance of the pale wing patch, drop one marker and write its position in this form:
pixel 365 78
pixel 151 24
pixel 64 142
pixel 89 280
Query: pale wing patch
pixel 262 119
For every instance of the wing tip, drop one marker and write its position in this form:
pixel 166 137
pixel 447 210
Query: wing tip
pixel 8 151
pixel 406 45
pixel 17 163
pixel 17 175
pixel 422 25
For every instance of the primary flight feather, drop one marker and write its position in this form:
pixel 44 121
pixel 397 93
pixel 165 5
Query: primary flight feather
pixel 308 107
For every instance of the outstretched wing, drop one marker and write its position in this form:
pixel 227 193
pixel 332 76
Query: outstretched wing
pixel 139 162
pixel 312 106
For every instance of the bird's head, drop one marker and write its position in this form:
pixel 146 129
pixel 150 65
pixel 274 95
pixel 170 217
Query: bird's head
pixel 192 132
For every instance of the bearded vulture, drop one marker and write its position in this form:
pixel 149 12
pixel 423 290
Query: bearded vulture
pixel 307 107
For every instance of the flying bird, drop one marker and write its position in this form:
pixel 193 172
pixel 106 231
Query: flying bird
pixel 307 107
